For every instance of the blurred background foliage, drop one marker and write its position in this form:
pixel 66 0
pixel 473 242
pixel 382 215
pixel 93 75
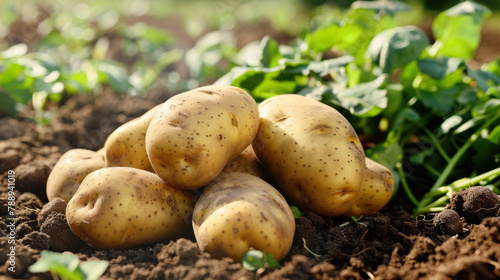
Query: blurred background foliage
pixel 52 49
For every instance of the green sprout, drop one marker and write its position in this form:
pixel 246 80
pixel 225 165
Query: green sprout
pixel 297 213
pixel 356 220
pixel 68 267
pixel 255 259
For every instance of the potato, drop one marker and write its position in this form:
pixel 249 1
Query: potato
pixel 126 146
pixel 69 172
pixel 239 211
pixel 246 162
pixel 196 133
pixel 312 152
pixel 376 190
pixel 123 207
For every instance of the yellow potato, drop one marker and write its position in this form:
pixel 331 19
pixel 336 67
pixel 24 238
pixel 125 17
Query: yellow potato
pixel 246 162
pixel 69 172
pixel 375 192
pixel 312 152
pixel 196 133
pixel 126 145
pixel 123 207
pixel 239 211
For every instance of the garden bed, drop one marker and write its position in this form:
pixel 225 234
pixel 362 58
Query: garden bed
pixel 386 245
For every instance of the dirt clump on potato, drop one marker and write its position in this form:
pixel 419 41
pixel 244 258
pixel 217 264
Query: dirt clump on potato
pixel 475 204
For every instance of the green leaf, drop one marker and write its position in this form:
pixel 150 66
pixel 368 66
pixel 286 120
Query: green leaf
pixel 487 150
pixel 263 83
pixel 297 213
pixel 484 79
pixel 440 67
pixel 396 47
pixel 387 154
pixel 93 269
pixel 358 29
pixel 457 30
pixel 270 52
pixel 7 105
pixel 440 101
pixel 253 260
pixel 76 82
pixel 323 38
pixel 11 73
pixel 116 76
pixel 406 114
pixel 326 66
pixel 382 6
pixel 271 261
pixel 62 264
pixel 365 100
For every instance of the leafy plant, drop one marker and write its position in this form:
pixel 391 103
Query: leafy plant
pixel 255 259
pixel 73 57
pixel 428 115
pixel 68 266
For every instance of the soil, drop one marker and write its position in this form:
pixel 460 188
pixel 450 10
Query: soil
pixel 387 245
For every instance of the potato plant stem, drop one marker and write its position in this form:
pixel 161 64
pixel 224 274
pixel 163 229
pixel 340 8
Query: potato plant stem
pixel 406 187
pixel 436 143
pixel 447 191
pixel 427 200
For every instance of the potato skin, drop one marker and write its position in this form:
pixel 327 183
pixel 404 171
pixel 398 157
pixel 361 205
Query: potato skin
pixel 312 152
pixel 196 133
pixel 239 211
pixel 69 172
pixel 376 190
pixel 126 146
pixel 123 207
pixel 246 162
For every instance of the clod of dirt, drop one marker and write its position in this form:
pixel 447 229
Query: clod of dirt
pixel 24 257
pixel 448 222
pixel 10 128
pixel 62 237
pixel 475 204
pixel 9 159
pixel 57 205
pixel 36 240
pixel 29 205
pixel 33 177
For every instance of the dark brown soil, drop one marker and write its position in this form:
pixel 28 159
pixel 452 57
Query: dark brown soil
pixel 386 245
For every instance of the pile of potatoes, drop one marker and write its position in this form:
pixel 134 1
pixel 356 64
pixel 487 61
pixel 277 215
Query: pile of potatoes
pixel 212 161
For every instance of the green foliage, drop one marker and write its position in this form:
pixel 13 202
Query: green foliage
pixel 435 114
pixel 68 266
pixel 73 57
pixel 255 259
